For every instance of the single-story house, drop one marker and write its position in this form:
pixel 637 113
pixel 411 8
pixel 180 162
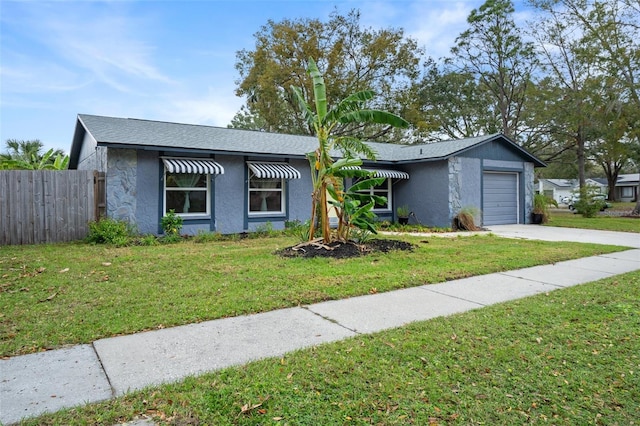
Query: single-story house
pixel 627 187
pixel 230 180
pixel 562 189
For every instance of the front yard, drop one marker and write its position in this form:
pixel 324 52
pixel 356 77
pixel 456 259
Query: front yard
pixel 570 357
pixel 55 295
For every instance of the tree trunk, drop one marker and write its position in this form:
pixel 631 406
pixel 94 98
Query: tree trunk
pixel 580 157
pixel 612 172
pixel 324 215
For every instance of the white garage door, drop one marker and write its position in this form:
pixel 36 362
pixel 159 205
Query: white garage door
pixel 500 198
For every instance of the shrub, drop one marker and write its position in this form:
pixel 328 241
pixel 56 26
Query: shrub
pixel 110 231
pixel 588 208
pixel 590 202
pixel 171 223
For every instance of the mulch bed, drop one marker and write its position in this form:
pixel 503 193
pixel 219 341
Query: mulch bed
pixel 342 250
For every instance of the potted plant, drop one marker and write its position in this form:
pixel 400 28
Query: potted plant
pixel 540 213
pixel 403 214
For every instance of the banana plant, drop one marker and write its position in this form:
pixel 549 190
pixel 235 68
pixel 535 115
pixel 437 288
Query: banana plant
pixel 325 171
pixel 353 206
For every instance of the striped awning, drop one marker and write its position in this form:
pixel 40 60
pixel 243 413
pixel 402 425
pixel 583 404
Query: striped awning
pixel 264 170
pixel 385 173
pixel 192 165
pixel 390 174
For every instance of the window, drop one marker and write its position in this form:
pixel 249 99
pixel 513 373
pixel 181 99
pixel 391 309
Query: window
pixel 383 190
pixel 627 191
pixel 186 185
pixel 266 195
pixel 187 193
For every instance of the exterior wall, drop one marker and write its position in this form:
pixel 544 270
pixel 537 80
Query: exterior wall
pixel 230 195
pixel 92 156
pixel 134 186
pixel 426 192
pixel 496 151
pixel 299 192
pixel 149 190
pixel 465 185
pixel 231 203
pixel 121 184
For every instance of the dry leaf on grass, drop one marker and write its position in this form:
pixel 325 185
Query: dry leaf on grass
pixel 50 297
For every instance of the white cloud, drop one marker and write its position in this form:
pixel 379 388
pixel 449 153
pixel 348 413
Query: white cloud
pixel 100 41
pixel 214 107
pixel 437 28
pixel 22 74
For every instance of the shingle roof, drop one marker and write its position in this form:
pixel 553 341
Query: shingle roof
pixel 112 131
pixel 628 179
pixel 562 182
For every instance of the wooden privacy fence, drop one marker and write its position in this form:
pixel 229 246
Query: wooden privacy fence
pixel 47 206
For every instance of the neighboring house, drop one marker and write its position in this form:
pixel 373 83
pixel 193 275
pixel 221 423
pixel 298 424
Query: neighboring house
pixel 558 189
pixel 627 187
pixel 231 180
pixel 562 189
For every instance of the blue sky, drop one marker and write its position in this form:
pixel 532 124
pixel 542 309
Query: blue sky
pixel 161 60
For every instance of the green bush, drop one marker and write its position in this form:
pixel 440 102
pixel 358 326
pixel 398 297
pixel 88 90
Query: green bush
pixel 588 208
pixel 171 223
pixel 110 231
pixel 590 202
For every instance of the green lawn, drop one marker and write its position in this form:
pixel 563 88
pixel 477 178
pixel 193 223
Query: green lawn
pixel 55 295
pixel 569 357
pixel 606 223
pixel 623 207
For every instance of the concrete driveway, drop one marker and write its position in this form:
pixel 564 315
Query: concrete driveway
pixel 551 233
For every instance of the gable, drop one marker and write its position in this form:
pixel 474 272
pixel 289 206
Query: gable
pixel 495 149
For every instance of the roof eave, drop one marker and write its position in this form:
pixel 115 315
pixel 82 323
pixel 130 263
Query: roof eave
pixel 76 143
pixel 196 150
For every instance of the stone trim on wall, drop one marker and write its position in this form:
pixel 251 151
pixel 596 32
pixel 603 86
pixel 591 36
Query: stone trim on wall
pixel 121 184
pixel 455 186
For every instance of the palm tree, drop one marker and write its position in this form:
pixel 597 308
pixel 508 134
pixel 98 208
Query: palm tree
pixel 26 155
pixel 327 174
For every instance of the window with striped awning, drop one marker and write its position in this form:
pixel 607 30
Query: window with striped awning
pixel 270 170
pixel 192 165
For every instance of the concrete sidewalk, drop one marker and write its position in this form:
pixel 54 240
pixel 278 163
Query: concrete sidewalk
pixel 44 382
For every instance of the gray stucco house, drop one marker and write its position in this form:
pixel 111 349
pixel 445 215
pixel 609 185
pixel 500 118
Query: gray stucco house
pixel 230 180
